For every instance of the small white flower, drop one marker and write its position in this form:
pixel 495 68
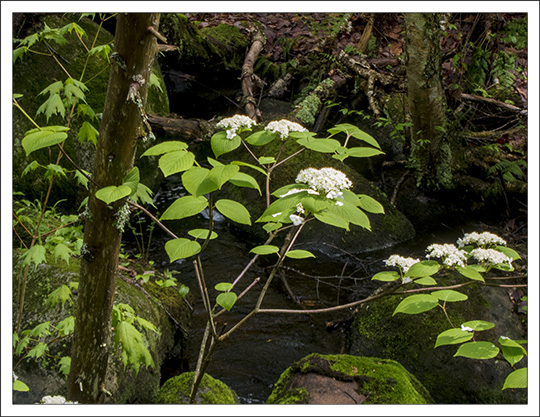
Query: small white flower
pixel 504 337
pixel 339 203
pixel 466 328
pixel 293 191
pixel 297 220
pixel 401 262
pixel 276 214
pixel 300 208
pixel 233 124
pixel 484 239
pixel 450 254
pixel 284 127
pixel 491 256
pixel 406 280
pixel 57 399
pixel 327 181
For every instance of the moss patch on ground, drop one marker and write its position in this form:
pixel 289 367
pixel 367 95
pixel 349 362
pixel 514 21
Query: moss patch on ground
pixel 211 391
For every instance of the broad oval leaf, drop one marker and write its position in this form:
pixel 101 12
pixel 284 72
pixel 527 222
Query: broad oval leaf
pixel 453 336
pixel 223 286
pixel 176 161
pixel 234 211
pixel 423 269
pixel 245 164
pixel 226 300
pixel 222 173
pixel 221 145
pixel 320 145
pixel 470 273
pixel 20 386
pixel 332 219
pixel 425 281
pixel 261 138
pixel 196 181
pixel 415 304
pixel 354 132
pixel 386 276
pixel 479 325
pixel 299 254
pixel 449 295
pixel 165 147
pixel 112 193
pixel 516 379
pixel 181 248
pixel 42 139
pixel 264 160
pixel 478 350
pixel 369 204
pixel 202 234
pixel 508 252
pixel 512 354
pixel 241 179
pixel 350 213
pixel 185 207
pixel 363 152
pixel 265 249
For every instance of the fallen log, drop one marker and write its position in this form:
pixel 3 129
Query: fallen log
pixel 190 130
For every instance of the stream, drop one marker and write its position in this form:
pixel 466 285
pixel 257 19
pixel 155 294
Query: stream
pixel 254 357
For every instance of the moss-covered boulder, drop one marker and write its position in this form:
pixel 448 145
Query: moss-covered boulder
pixel 177 390
pixel 33 72
pixel 410 340
pixel 154 304
pixel 347 379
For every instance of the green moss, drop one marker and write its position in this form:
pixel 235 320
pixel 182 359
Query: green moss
pixel 227 42
pixel 177 390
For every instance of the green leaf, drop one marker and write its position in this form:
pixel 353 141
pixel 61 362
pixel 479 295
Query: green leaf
pixel 53 88
pixel 516 379
pixel 112 193
pixel 223 286
pixel 35 255
pixel 63 252
pixel 53 105
pixel 66 326
pixel 185 207
pixel 176 161
pixel 425 281
pixel 134 352
pixel 320 145
pixel 479 325
pixel 512 351
pixel 41 139
pixel 350 213
pixel 226 300
pixel 220 174
pixel 332 220
pixel 369 204
pixel 245 164
pixel 146 325
pixel 144 195
pixel 423 269
pixel 270 227
pixel 32 166
pixel 20 386
pixel 154 82
pixel 64 365
pixel 478 350
pixel 181 248
pixel 132 179
pixel 38 351
pixel 53 170
pixel 453 336
pixel 470 273
pixel 363 152
pixel 202 234
pixel 265 249
pixel 165 147
pixel 449 295
pixel 104 51
pixel 59 296
pixel 386 276
pixel 415 304
pixel 88 133
pixel 71 90
pixel 183 290
pixel 81 179
pixel 261 138
pixel 221 145
pixel 19 52
pixel 30 40
pixel 244 180
pixel 86 110
pixel 265 160
pixel 40 330
pixel 508 252
pixel 299 254
pixel 234 211
pixel 197 183
pixel 354 132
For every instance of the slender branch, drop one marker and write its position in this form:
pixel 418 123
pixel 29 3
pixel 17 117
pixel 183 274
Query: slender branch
pixel 289 157
pixel 158 35
pixel 204 294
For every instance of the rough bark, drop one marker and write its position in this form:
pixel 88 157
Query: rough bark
pixel 249 79
pixel 189 130
pixel 430 148
pixel 120 129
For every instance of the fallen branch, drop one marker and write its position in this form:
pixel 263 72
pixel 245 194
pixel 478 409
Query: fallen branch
pixel 249 79
pixel 472 97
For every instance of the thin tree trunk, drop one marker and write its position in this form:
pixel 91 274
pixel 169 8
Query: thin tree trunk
pixel 430 148
pixel 135 50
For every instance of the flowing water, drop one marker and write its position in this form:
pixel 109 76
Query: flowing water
pixel 254 357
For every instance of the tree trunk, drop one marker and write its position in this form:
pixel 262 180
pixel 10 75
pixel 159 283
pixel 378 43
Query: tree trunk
pixel 135 49
pixel 430 148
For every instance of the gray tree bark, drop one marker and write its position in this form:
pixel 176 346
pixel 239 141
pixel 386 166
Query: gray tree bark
pixel 431 154
pixel 135 50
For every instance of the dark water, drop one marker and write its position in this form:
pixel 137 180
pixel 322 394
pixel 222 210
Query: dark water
pixel 254 357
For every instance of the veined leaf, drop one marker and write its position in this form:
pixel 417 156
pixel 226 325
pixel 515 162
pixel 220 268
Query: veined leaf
pixel 59 296
pixel 154 82
pixel 516 379
pixel 320 145
pixel 88 133
pixel 63 252
pixel 146 325
pixel 104 51
pixel 369 204
pixel 415 304
pixel 18 385
pixel 265 249
pixel 81 179
pixel 453 336
pixel 31 167
pixel 53 170
pixel 470 273
pixel 134 352
pixel 270 227
pixel 38 351
pixel 66 326
pixel 479 325
pixel 363 152
pixel 112 193
pixel 176 161
pixel 71 90
pixel 332 219
pixel 85 109
pixel 234 211
pixel 185 207
pixel 265 160
pixel 202 234
pixel 40 330
pixel 508 252
pixel 245 164
pixel 425 281
pixel 132 179
pixel 350 213
pixel 222 173
pixel 423 269
pixel 478 350
pixel 196 181
pixel 354 132
pixel 449 295
pixel 19 52
pixel 221 145
pixel 181 248
pixel 64 365
pixel 241 179
pixel 226 300
pixel 53 105
pixel 53 88
pixel 144 195
pixel 386 276
pixel 299 254
pixel 35 255
pixel 261 138
pixel 42 139
pixel 223 286
pixel 165 147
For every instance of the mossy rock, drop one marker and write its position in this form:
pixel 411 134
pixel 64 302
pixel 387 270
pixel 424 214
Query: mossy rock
pixel 410 340
pixel 347 379
pixel 177 390
pixel 43 378
pixel 33 73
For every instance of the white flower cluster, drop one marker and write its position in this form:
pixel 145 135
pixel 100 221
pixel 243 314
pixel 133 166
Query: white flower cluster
pixel 327 181
pixel 490 256
pixel 284 127
pixel 401 262
pixel 56 399
pixel 484 239
pixel 232 124
pixel 451 255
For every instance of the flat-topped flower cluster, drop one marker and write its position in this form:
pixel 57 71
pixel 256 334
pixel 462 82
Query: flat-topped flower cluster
pixel 235 123
pixel 401 262
pixel 284 127
pixel 490 256
pixel 326 181
pixel 484 239
pixel 450 254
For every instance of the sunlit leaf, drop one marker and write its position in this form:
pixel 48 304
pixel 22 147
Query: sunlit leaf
pixel 38 351
pixel 64 365
pixel 59 296
pixel 165 147
pixel 144 195
pixel 425 281
pixel 81 179
pixel 53 105
pixel 508 252
pixel 320 145
pixel 18 385
pixel 261 138
pixel 226 300
pixel 478 350
pixel 63 252
pixel 369 204
pixel 299 254
pixel 185 207
pixel 133 350
pixel 41 139
pixel 516 379
pixel 132 179
pixel 354 132
pixel 202 234
pixel 223 286
pixel 53 170
pixel 112 193
pixel 196 181
pixel 265 249
pixel 270 227
pixel 449 295
pixel 35 255
pixel 363 152
pixel 386 276
pixel 181 248
pixel 265 160
pixel 234 211
pixel 88 133
pixel 453 336
pixel 222 173
pixel 423 269
pixel 479 325
pixel 415 304
pixel 221 145
pixel 241 179
pixel 245 164
pixel 470 273
pixel 177 161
